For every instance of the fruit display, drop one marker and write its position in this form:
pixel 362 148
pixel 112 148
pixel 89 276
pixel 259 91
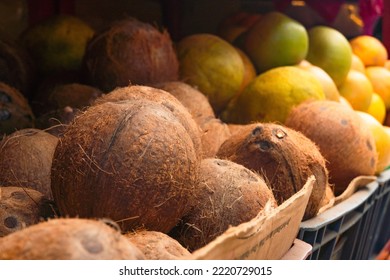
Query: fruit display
pixel 136 141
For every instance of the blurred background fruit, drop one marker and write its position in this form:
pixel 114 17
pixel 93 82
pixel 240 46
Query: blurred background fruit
pixel 370 50
pixel 377 108
pixel 276 40
pixel 57 43
pixel 213 66
pixel 357 89
pixel 330 50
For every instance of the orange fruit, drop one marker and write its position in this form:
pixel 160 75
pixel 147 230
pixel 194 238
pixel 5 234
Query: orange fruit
pixel 369 49
pixel 380 80
pixel 357 64
pixel 345 102
pixel 387 64
pixel 382 140
pixel 377 108
pixel 328 85
pixel 275 40
pixel 330 50
pixel 249 69
pixel 272 94
pixel 357 89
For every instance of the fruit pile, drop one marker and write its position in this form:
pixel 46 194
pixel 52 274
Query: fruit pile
pixel 125 133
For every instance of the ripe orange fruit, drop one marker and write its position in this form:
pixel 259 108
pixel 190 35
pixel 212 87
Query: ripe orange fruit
pixel 370 50
pixel 382 140
pixel 380 80
pixel 328 85
pixel 357 89
pixel 357 64
pixel 377 108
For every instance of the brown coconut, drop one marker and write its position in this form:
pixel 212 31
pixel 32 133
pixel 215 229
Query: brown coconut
pixel 56 122
pixel 214 133
pixel 15 111
pixel 130 52
pixel 344 141
pixel 194 100
pixel 74 95
pixel 285 157
pixel 136 92
pixel 16 68
pixel 68 239
pixel 133 162
pixel 22 207
pixel 25 159
pixel 229 194
pixel 156 245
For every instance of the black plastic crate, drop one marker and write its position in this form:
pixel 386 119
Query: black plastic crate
pixel 382 214
pixel 347 230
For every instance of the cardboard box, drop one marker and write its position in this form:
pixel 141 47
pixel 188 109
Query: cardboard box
pixel 268 236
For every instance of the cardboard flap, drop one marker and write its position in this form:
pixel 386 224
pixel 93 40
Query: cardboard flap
pixel 268 236
pixel 355 184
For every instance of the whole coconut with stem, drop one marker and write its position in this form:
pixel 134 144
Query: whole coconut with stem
pixel 343 139
pixel 131 161
pixel 162 97
pixel 156 245
pixel 22 207
pixel 130 52
pixel 15 111
pixel 68 239
pixel 228 194
pixel 284 157
pixel 25 160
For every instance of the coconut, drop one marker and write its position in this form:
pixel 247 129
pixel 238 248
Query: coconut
pixel 16 68
pixel 194 100
pixel 229 194
pixel 25 159
pixel 15 111
pixel 133 162
pixel 344 141
pixel 162 97
pixel 130 52
pixel 156 245
pixel 74 95
pixel 22 207
pixel 55 122
pixel 68 239
pixel 286 158
pixel 214 133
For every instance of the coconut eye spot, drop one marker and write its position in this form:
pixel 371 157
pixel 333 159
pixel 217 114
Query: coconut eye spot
pixel 4 115
pixel 369 145
pixel 92 246
pixel 10 222
pixel 257 131
pixel 5 98
pixel 344 122
pixel 263 145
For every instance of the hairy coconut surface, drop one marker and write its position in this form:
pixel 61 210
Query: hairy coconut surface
pixel 194 100
pixel 156 245
pixel 25 159
pixel 16 68
pixel 133 162
pixel 22 207
pixel 15 111
pixel 68 239
pixel 130 52
pixel 131 93
pixel 229 194
pixel 74 95
pixel 286 158
pixel 344 141
pixel 214 133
